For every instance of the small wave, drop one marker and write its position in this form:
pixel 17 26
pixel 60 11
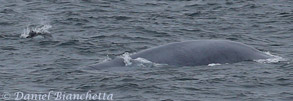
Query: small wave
pixel 43 29
pixel 274 59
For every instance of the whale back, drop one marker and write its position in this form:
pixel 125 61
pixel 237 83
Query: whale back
pixel 203 52
pixel 193 53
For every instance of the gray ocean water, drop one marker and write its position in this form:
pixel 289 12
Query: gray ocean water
pixel 87 32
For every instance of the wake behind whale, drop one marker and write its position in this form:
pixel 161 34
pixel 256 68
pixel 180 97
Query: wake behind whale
pixel 192 53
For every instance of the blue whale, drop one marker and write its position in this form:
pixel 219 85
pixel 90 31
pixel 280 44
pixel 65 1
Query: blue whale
pixel 192 53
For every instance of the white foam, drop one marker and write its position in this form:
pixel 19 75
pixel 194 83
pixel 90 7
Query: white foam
pixel 141 62
pixel 214 64
pixel 274 59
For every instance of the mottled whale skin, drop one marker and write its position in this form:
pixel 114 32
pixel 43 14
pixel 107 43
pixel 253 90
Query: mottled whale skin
pixel 192 53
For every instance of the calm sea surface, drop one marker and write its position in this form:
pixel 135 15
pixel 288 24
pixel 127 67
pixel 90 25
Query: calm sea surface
pixel 87 32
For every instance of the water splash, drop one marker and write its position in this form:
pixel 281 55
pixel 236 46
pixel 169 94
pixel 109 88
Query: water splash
pixel 25 33
pixel 137 62
pixel 274 59
pixel 127 59
pixel 42 30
